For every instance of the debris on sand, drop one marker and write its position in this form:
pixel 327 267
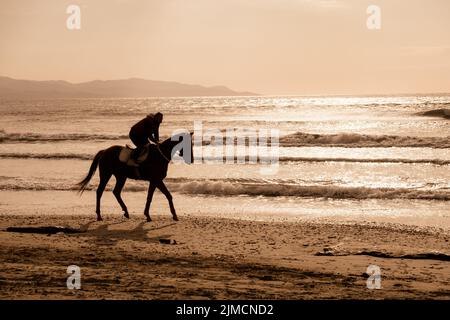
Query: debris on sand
pixel 167 241
pixel 43 230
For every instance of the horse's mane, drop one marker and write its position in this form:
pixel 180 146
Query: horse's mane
pixel 169 139
pixel 165 146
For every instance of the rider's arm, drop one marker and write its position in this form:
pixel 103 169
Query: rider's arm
pixel 156 133
pixel 152 138
pixel 152 129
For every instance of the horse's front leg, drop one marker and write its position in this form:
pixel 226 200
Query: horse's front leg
pixel 162 187
pixel 151 190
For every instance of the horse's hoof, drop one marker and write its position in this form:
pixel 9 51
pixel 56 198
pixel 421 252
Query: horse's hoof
pixel 99 219
pixel 149 220
pixel 126 215
pixel 175 218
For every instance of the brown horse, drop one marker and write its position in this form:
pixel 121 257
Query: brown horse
pixel 153 169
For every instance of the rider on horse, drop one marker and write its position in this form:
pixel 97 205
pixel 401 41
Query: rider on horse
pixel 145 130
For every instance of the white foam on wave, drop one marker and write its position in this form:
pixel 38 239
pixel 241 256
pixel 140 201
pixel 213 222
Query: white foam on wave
pixel 84 156
pixel 354 140
pixel 252 188
pixel 224 188
pixel 37 137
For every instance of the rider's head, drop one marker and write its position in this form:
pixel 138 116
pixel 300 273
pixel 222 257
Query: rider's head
pixel 158 117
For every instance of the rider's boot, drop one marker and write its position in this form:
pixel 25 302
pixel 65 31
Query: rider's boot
pixel 136 153
pixel 134 157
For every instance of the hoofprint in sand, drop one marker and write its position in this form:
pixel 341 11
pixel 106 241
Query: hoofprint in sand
pixel 218 258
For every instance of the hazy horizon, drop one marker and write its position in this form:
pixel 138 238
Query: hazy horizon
pixel 302 47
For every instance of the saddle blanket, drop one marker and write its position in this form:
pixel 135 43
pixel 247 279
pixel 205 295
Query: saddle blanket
pixel 126 152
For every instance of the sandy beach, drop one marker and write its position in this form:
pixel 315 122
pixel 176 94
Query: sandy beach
pixel 279 150
pixel 217 258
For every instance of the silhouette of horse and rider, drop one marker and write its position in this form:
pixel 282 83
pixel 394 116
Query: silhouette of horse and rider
pixel 149 162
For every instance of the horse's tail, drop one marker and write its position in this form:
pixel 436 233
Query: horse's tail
pixel 83 183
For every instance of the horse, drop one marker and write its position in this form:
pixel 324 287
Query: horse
pixel 153 169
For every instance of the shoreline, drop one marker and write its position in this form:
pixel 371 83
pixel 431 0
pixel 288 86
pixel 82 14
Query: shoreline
pixel 414 214
pixel 219 258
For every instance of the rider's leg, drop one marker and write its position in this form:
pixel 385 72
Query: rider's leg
pixel 139 142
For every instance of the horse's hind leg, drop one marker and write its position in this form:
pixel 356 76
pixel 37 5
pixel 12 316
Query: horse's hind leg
pixel 104 178
pixel 120 182
pixel 162 187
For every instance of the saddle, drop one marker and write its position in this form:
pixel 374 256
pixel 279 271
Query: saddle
pixel 127 151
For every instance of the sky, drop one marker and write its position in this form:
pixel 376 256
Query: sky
pixel 274 47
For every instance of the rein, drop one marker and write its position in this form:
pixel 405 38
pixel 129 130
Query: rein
pixel 157 146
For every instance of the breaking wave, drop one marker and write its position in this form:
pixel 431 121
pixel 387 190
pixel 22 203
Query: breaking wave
pixel 226 188
pixel 354 140
pixel 35 137
pixel 249 187
pixel 441 113
pixel 55 156
pixel 85 156
pixel 365 160
pixel 298 139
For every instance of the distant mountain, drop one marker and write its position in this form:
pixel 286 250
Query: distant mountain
pixel 127 88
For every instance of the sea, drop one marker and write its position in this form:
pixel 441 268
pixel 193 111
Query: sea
pixel 381 158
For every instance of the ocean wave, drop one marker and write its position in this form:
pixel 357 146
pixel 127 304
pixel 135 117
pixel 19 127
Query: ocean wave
pixel 36 137
pixel 262 161
pixel 298 139
pixel 354 140
pixel 439 162
pixel 56 156
pixel 441 113
pixel 224 188
pixel 252 188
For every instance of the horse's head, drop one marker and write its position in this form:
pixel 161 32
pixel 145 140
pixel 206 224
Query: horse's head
pixel 181 142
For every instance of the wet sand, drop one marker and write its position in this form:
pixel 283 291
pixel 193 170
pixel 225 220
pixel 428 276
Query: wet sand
pixel 217 258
